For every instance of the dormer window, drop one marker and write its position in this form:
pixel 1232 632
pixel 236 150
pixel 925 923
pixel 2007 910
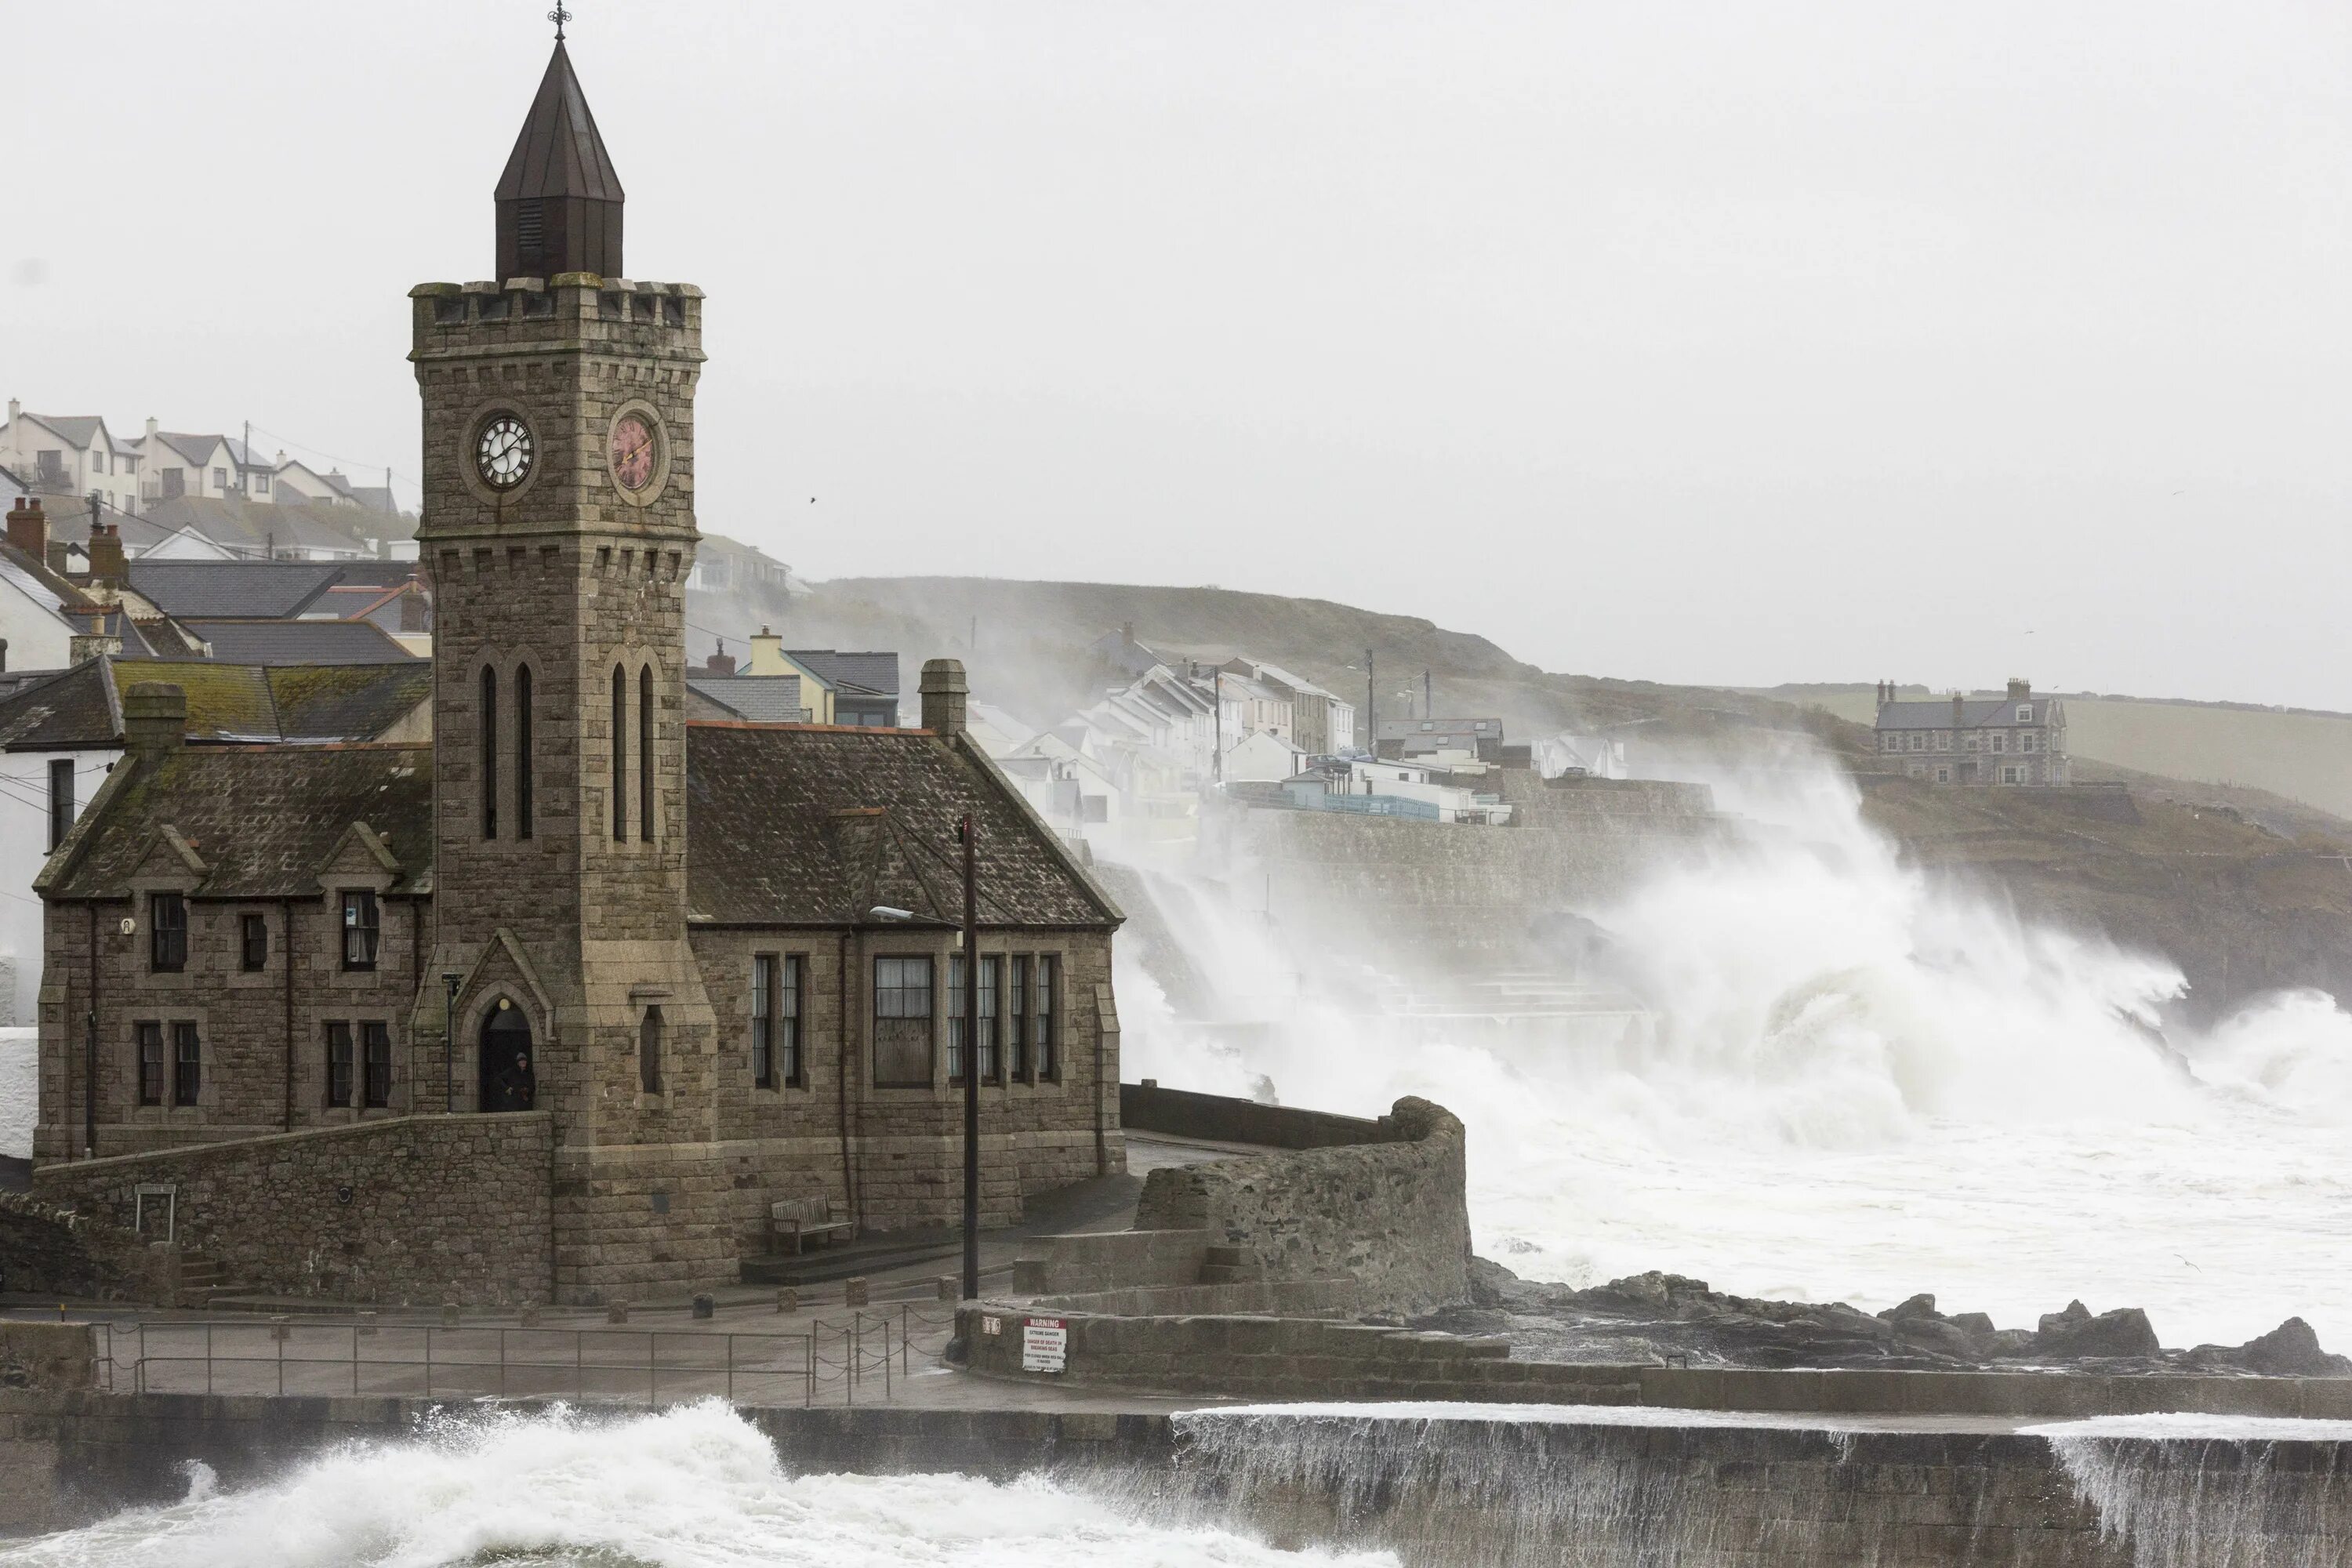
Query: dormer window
pixel 167 933
pixel 2025 713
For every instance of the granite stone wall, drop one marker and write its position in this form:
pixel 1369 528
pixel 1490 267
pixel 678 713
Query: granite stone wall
pixel 411 1211
pixel 1391 1214
pixel 49 1250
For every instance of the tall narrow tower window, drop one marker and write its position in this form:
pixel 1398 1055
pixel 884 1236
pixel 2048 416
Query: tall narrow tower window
pixel 531 229
pixel 523 751
pixel 620 755
pixel 646 753
pixel 489 753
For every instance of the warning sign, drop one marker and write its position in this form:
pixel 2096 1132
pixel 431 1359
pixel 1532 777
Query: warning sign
pixel 1044 1344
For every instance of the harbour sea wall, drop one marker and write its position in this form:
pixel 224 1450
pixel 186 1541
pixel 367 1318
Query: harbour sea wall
pixel 1441 1485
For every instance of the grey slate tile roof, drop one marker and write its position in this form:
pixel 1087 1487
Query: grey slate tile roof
pixel 865 674
pixel 787 824
pixel 76 428
pixel 236 590
pixel 81 707
pixel 263 819
pixel 816 824
pixel 299 642
pixel 762 699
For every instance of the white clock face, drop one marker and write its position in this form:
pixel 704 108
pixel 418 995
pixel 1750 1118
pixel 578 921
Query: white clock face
pixel 503 453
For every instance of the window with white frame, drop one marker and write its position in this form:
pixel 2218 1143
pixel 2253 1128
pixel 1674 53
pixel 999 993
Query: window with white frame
pixel 2025 713
pixel 1997 740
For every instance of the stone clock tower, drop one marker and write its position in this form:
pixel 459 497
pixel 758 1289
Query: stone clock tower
pixel 558 532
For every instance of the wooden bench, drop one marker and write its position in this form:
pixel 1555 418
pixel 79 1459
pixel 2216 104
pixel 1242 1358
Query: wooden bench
pixel 801 1219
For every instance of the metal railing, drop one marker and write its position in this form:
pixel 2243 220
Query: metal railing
pixel 828 1360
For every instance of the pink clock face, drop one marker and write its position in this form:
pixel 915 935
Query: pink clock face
pixel 633 452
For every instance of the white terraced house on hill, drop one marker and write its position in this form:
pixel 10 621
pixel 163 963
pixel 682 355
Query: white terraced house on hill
pixel 2016 739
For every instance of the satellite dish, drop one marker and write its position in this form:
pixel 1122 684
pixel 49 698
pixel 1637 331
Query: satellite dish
pixel 129 925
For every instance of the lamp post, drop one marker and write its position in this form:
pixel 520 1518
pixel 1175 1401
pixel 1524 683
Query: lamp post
pixel 449 982
pixel 970 833
pixel 966 834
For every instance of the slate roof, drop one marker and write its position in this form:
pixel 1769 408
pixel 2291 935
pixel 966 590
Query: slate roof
pixel 1409 729
pixel 71 709
pixel 863 674
pixel 81 707
pixel 299 642
pixel 197 449
pixel 251 526
pixel 237 590
pixel 806 824
pixel 788 825
pixel 76 428
pixel 762 699
pixel 559 153
pixel 1976 713
pixel 264 819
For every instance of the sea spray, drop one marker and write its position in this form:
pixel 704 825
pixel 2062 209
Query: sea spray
pixel 1854 1078
pixel 691 1487
pixel 2202 1491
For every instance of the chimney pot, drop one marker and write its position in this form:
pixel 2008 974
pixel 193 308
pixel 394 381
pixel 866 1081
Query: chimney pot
pixel 720 661
pixel 28 530
pixel 944 696
pixel 154 717
pixel 2020 691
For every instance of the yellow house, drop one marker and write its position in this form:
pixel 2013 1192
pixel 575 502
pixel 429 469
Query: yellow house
pixel 860 689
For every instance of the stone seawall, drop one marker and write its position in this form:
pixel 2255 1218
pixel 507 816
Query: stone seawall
pixel 415 1209
pixel 1488 1488
pixel 1390 1215
pixel 1182 1113
pixel 1261 1357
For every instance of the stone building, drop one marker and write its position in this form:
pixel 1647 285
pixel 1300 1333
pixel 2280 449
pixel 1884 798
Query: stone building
pixel 715 961
pixel 2017 739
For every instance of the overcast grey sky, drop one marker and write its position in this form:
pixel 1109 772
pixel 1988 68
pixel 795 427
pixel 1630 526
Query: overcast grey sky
pixel 1688 341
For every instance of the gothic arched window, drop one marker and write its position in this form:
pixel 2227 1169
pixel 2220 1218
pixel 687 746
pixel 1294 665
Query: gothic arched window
pixel 523 751
pixel 646 753
pixel 489 753
pixel 620 755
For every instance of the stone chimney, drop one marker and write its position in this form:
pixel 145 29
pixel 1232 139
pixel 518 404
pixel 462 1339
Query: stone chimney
pixel 106 564
pixel 16 411
pixel 943 696
pixel 93 639
pixel 767 654
pixel 154 718
pixel 28 529
pixel 1959 710
pixel 720 661
pixel 2020 691
pixel 151 427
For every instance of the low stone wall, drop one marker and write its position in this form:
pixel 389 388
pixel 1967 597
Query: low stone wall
pixel 1221 1118
pixel 1391 1214
pixel 47 1355
pixel 46 1249
pixel 1458 1493
pixel 1099 1260
pixel 416 1209
pixel 1259 1357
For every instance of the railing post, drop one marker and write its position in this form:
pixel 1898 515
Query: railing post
pixel 808 1367
pixel 652 1368
pixel 502 1363
pixel 209 1358
pixel 281 1365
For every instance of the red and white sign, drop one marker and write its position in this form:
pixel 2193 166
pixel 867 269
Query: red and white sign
pixel 1044 1344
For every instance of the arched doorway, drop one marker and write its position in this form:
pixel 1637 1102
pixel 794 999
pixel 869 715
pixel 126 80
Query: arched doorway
pixel 508 1080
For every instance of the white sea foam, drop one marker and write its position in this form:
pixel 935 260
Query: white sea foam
pixel 19 1100
pixel 2190 1426
pixel 1855 1080
pixel 693 1487
pixel 1442 1410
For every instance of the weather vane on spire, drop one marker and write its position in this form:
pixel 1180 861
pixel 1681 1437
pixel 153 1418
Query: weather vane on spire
pixel 558 16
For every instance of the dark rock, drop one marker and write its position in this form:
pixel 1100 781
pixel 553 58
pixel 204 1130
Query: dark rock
pixel 2291 1350
pixel 2075 1312
pixel 2075 1333
pixel 1919 1306
pixel 1491 1283
pixel 1972 1323
pixel 1939 1336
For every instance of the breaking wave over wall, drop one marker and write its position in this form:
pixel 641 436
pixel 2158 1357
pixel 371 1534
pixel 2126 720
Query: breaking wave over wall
pixel 1795 1063
pixel 2202 1491
pixel 693 1487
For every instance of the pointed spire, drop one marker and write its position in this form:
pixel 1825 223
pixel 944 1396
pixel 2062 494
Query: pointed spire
pixel 558 201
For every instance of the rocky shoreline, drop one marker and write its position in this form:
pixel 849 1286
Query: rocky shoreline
pixel 1677 1319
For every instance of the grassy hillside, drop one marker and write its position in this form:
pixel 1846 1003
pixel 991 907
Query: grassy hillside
pixel 2296 754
